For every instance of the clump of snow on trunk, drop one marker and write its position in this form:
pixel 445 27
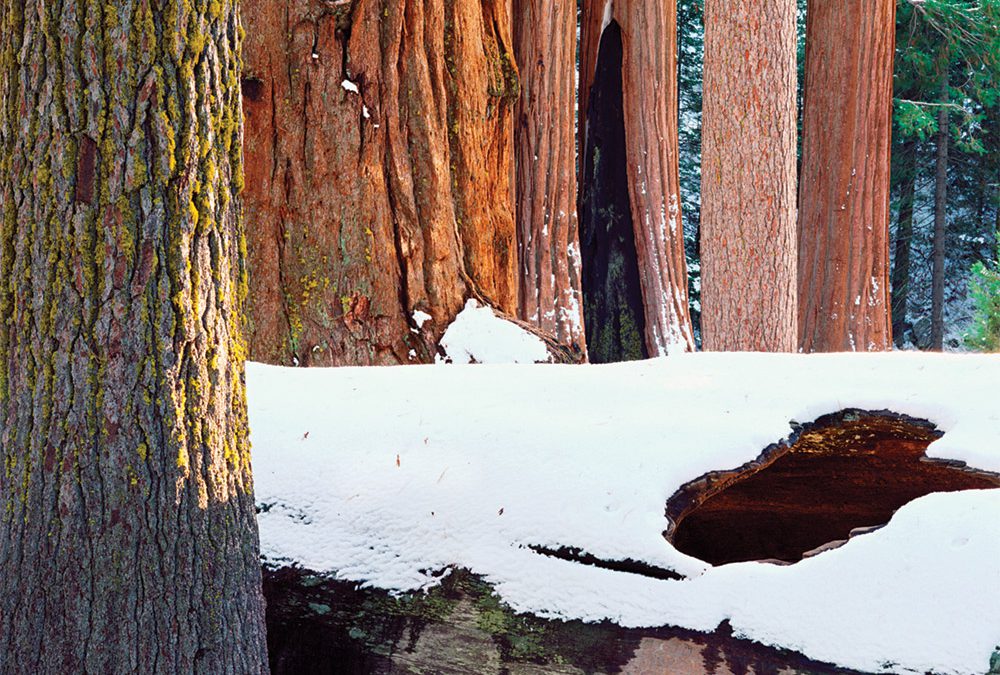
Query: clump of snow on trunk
pixel 477 335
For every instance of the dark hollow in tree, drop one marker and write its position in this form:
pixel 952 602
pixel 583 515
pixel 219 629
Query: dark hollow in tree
pixel 612 296
pixel 847 470
pixel 647 32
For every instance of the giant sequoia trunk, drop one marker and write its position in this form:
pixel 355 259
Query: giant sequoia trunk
pixel 128 540
pixel 748 252
pixel 378 144
pixel 843 243
pixel 631 236
pixel 545 178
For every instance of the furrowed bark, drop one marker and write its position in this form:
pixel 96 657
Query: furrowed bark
pixel 843 234
pixel 128 536
pixel 379 160
pixel 649 117
pixel 545 179
pixel 748 240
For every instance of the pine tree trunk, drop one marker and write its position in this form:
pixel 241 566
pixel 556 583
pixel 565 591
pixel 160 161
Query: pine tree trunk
pixel 940 222
pixel 379 161
pixel 748 251
pixel 545 159
pixel 648 168
pixel 128 540
pixel 843 238
pixel 903 244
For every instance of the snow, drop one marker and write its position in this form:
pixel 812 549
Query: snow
pixel 406 471
pixel 350 86
pixel 420 318
pixel 477 335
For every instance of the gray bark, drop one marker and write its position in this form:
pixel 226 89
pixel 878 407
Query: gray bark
pixel 940 223
pixel 128 540
pixel 904 238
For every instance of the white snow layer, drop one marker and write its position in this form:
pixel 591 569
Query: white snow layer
pixel 477 335
pixel 386 475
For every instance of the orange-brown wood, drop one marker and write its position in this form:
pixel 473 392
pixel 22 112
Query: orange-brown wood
pixel 378 174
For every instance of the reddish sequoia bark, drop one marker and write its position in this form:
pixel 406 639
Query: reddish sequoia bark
pixel 844 187
pixel 378 144
pixel 545 160
pixel 748 243
pixel 128 537
pixel 649 99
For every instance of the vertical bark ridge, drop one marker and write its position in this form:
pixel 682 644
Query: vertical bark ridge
pixel 392 193
pixel 843 243
pixel 545 153
pixel 748 230
pixel 126 491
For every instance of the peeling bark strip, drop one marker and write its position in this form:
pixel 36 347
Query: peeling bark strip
pixel 748 252
pixel 846 471
pixel 545 177
pixel 649 99
pixel 844 187
pixel 379 156
pixel 128 538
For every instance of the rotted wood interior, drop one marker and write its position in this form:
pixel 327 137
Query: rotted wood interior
pixel 846 471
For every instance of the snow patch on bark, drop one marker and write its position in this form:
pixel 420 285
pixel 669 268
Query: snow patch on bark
pixel 420 318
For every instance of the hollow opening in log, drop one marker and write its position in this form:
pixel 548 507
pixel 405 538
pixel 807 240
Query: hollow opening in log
pixel 846 472
pixel 612 298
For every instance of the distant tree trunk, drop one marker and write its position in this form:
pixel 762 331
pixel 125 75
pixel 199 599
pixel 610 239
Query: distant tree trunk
pixel 545 178
pixel 843 234
pixel 128 536
pixel 644 167
pixel 940 221
pixel 903 244
pixel 991 184
pixel 748 252
pixel 379 158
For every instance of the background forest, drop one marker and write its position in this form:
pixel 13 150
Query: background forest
pixel 945 158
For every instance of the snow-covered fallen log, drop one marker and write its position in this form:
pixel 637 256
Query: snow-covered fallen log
pixel 393 476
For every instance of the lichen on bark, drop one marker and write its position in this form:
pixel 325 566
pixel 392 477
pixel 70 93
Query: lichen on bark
pixel 127 531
